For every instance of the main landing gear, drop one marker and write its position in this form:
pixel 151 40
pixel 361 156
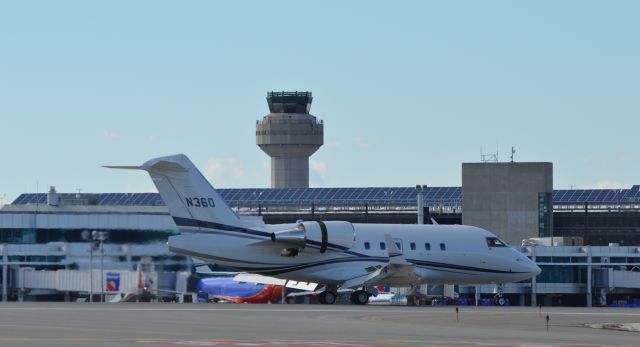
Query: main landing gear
pixel 328 297
pixel 359 297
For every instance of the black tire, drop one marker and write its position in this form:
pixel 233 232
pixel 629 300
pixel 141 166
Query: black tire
pixel 501 301
pixel 359 297
pixel 328 297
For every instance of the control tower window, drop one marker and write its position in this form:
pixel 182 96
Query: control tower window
pixel 495 242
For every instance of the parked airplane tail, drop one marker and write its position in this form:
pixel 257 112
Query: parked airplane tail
pixel 190 198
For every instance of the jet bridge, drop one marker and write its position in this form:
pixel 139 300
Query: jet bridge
pixel 611 278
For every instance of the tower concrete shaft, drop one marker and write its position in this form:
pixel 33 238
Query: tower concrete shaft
pixel 289 135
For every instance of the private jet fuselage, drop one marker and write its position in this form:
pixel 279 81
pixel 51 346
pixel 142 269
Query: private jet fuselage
pixel 334 254
pixel 441 253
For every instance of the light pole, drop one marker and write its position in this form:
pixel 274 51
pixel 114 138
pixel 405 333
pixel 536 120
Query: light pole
pixel 421 189
pixel 420 204
pixel 102 236
pixel 92 237
pixel 88 236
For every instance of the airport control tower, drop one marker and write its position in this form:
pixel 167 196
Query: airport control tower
pixel 289 135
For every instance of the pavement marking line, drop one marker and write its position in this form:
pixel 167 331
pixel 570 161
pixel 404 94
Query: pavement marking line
pixel 27 338
pixel 358 311
pixel 275 342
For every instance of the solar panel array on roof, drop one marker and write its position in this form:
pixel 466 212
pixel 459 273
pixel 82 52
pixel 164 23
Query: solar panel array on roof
pixel 136 199
pixel 345 196
pixel 338 195
pixel 587 195
pixel 30 198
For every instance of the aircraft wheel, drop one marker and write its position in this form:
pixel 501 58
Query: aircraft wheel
pixel 328 297
pixel 360 297
pixel 501 301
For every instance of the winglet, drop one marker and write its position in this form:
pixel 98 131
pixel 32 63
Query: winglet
pixel 395 254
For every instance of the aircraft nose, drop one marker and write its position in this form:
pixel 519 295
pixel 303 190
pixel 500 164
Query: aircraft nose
pixel 534 269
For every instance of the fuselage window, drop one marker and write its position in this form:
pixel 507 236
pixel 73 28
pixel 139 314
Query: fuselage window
pixel 383 246
pixel 413 246
pixel 443 247
pixel 495 242
pixel 427 246
pixel 367 245
pixel 399 245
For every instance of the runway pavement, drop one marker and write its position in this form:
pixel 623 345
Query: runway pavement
pixel 128 324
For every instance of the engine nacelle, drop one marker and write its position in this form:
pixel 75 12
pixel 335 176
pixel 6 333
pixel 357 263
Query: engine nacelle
pixel 316 237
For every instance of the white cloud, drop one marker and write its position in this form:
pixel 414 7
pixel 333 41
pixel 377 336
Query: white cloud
pixel 607 185
pixel 317 173
pixel 111 135
pixel 361 143
pixel 223 171
pixel 318 167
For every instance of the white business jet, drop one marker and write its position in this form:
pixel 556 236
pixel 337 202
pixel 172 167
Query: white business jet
pixel 337 255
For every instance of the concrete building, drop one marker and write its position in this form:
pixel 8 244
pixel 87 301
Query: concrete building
pixel 513 200
pixel 289 135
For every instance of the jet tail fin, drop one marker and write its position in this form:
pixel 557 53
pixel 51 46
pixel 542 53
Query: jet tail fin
pixel 190 198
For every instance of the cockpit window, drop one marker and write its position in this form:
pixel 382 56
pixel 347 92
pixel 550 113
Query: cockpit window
pixel 495 242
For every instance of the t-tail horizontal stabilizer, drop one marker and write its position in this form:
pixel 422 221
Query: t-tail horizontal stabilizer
pixel 125 167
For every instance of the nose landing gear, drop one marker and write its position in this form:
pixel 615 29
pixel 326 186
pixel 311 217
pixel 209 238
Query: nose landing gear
pixel 498 299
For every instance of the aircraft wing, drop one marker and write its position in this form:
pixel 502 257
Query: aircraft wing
pixel 397 267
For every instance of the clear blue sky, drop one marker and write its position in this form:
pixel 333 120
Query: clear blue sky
pixel 407 90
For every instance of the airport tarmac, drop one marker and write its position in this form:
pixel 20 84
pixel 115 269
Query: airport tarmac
pixel 129 324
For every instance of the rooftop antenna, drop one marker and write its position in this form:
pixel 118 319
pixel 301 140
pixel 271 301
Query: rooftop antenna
pixel 513 151
pixel 78 194
pixel 489 158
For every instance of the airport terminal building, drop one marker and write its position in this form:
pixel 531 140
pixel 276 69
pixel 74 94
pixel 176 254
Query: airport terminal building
pixel 594 257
